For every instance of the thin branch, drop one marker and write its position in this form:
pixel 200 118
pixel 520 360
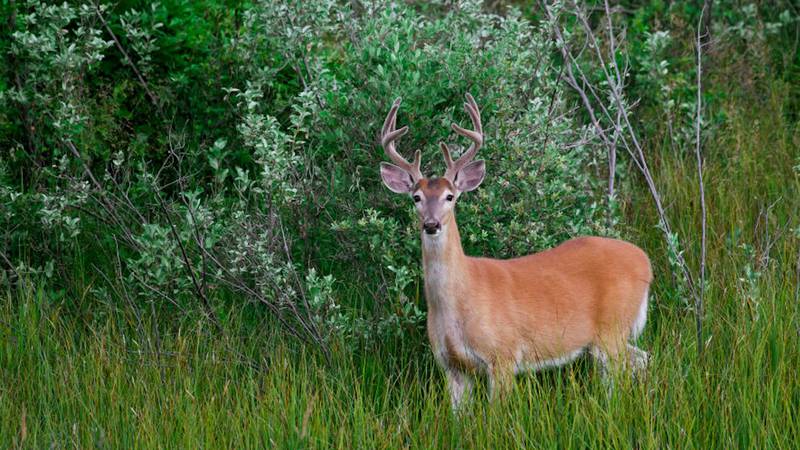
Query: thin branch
pixel 237 284
pixel 698 124
pixel 103 194
pixel 128 60
pixel 13 269
pixel 197 287
pixel 313 329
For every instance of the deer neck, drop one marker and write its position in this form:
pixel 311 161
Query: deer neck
pixel 443 263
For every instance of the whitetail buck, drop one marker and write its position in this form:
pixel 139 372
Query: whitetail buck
pixel 501 317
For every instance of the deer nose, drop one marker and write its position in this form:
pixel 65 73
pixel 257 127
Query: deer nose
pixel 431 227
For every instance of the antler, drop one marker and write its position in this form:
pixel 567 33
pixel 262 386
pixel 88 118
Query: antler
pixel 476 136
pixel 389 135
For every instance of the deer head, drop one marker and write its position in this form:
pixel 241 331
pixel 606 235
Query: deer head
pixel 434 197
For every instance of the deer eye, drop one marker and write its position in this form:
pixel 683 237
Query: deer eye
pixel 450 198
pixel 417 199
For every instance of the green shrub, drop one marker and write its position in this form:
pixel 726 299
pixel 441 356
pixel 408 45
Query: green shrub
pixel 283 203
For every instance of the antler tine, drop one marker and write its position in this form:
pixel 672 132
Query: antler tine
pixel 446 151
pixel 476 136
pixel 389 135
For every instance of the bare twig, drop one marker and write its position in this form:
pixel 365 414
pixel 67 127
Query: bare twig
pixel 13 269
pixel 704 28
pixel 698 125
pixel 24 108
pixel 85 167
pixel 103 198
pixel 128 60
pixel 238 284
pixel 158 292
pixel 311 326
pixel 197 286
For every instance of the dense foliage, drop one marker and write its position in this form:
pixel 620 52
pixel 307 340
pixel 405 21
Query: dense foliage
pixel 237 148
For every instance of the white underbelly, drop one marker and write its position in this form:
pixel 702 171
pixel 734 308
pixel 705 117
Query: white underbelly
pixel 535 366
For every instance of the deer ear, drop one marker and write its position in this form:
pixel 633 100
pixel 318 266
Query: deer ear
pixel 470 176
pixel 396 179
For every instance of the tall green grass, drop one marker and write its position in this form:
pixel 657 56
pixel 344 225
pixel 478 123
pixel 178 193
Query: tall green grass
pixel 68 385
pixel 109 380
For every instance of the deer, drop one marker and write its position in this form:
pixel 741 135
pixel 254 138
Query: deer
pixel 501 317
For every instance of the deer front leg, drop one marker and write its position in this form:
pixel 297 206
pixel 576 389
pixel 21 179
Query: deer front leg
pixel 460 386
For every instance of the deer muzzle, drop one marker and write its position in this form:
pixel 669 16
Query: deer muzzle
pixel 432 227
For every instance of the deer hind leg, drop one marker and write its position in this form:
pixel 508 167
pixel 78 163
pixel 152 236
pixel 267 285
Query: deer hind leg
pixel 460 386
pixel 501 380
pixel 603 362
pixel 623 357
pixel 610 353
pixel 638 360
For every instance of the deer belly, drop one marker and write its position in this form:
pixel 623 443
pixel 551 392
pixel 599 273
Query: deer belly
pixel 524 364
